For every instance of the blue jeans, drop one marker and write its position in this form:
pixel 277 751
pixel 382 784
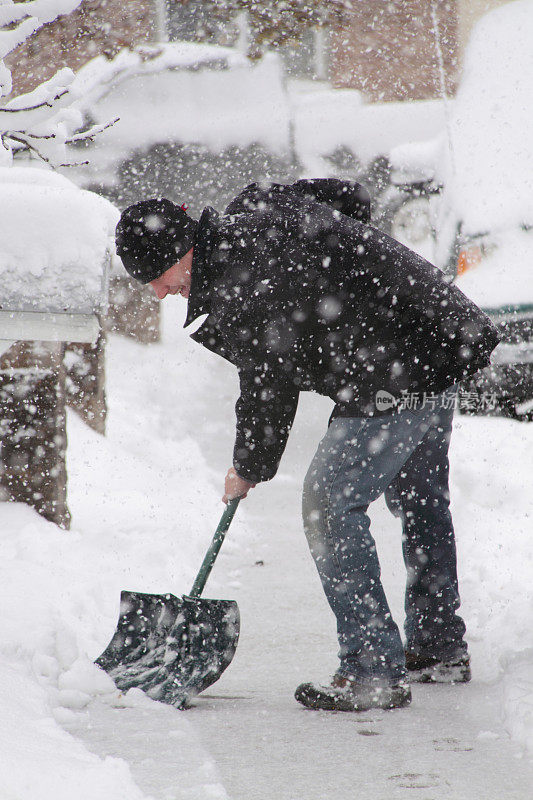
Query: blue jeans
pixel 404 455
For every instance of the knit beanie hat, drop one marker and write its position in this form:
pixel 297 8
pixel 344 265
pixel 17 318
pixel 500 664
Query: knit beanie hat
pixel 153 235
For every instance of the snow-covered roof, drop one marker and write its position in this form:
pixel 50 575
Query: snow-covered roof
pixel 55 244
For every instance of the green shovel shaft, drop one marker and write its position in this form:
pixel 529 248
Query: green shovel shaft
pixel 216 544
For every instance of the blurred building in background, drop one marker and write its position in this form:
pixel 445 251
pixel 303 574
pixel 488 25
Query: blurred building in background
pixel 396 50
pixel 96 27
pixel 390 49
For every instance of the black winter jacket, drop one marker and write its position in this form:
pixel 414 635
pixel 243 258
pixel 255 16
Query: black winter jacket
pixel 300 296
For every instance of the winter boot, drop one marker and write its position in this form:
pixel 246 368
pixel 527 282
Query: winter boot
pixel 344 694
pixel 427 669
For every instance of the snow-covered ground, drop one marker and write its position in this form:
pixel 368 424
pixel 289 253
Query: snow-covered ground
pixel 145 501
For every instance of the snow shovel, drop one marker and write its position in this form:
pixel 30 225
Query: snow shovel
pixel 174 647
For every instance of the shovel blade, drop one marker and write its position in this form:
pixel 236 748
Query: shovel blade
pixel 172 648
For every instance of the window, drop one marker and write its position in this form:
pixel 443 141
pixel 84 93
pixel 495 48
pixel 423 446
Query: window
pixel 188 20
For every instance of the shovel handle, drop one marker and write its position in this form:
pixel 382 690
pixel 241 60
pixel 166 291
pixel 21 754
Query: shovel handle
pixel 216 544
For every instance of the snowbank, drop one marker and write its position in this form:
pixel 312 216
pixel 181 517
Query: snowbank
pixel 518 699
pixel 491 505
pixel 143 514
pixel 55 243
pixel 40 758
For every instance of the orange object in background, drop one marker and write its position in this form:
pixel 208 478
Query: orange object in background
pixel 468 257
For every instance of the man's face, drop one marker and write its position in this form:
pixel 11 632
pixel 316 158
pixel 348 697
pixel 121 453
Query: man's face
pixel 176 279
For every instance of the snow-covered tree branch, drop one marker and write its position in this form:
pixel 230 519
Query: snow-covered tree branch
pixel 44 120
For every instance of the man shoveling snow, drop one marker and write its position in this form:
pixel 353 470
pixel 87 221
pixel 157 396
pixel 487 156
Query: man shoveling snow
pixel 303 294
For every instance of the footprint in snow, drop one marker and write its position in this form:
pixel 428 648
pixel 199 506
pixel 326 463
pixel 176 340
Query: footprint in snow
pixel 416 780
pixel 451 745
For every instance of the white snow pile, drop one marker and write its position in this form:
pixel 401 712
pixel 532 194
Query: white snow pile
pixel 491 505
pixel 144 511
pixel 518 698
pixel 40 759
pixel 56 241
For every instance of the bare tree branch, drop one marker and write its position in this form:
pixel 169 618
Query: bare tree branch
pixel 44 104
pixel 92 132
pixel 27 146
